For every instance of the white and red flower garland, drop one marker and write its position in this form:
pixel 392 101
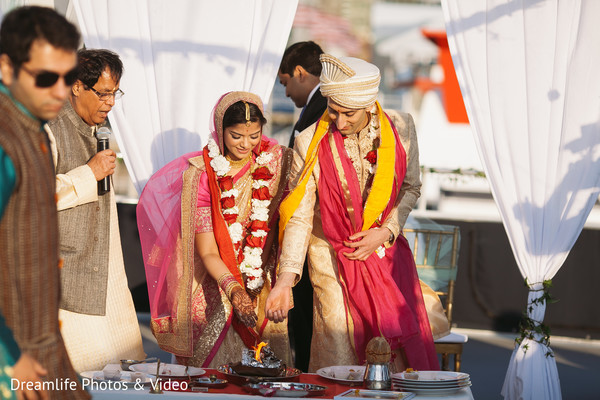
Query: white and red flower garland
pixel 250 258
pixel 371 156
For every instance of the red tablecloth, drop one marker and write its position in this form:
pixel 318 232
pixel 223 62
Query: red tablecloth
pixel 333 388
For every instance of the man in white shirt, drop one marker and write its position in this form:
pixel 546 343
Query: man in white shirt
pixel 299 72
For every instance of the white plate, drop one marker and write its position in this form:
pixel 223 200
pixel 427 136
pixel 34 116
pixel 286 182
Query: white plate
pixel 168 370
pixel 373 394
pixel 348 374
pixel 382 394
pixel 124 379
pixel 431 392
pixel 433 376
pixel 428 386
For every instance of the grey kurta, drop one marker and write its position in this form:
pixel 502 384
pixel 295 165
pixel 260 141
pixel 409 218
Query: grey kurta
pixel 99 323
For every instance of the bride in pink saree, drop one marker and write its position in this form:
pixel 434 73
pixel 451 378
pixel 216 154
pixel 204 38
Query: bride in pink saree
pixel 207 221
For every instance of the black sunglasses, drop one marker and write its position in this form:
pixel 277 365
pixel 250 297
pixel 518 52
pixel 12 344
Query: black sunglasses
pixel 45 79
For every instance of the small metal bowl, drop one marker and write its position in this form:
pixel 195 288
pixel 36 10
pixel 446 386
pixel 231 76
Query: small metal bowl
pixel 125 364
pixel 211 382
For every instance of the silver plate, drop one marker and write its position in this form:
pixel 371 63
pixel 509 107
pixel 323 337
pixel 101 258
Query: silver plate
pixel 211 382
pixel 174 371
pixel 285 389
pixel 124 378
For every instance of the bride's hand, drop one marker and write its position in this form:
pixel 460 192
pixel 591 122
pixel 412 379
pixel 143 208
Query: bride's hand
pixel 242 306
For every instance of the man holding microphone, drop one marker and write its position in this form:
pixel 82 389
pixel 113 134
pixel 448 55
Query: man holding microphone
pixel 99 324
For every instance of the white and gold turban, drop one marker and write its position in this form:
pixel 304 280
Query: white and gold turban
pixel 350 82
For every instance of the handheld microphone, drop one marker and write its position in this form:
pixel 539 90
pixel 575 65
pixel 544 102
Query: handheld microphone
pixel 103 136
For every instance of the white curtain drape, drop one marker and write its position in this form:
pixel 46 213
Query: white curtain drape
pixel 180 56
pixel 7 5
pixel 528 71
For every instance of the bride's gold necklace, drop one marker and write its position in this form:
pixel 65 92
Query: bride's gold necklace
pixel 238 164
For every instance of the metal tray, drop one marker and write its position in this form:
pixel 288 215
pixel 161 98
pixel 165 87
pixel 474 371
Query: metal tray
pixel 288 375
pixel 285 389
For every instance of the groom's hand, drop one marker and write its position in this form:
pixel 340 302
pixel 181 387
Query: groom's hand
pixel 278 301
pixel 366 242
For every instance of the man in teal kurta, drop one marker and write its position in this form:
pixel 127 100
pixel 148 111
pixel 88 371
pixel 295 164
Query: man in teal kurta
pixel 13 364
pixel 37 64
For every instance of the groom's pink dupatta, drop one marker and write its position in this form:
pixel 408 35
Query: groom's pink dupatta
pixel 383 295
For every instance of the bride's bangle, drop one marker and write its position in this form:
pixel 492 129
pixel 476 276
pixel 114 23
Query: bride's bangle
pixel 227 282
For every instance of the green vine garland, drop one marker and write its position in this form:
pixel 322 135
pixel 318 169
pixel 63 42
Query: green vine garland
pixel 528 327
pixel 456 171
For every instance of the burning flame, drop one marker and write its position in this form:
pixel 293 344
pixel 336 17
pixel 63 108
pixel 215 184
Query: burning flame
pixel 257 350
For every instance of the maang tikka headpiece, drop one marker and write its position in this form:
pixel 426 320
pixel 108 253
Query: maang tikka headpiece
pixel 248 122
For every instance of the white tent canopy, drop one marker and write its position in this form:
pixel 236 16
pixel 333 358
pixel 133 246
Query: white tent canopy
pixel 180 56
pixel 528 72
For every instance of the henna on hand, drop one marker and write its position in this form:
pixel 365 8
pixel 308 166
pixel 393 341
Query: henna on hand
pixel 242 306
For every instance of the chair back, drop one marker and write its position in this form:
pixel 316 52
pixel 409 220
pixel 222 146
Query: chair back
pixel 435 249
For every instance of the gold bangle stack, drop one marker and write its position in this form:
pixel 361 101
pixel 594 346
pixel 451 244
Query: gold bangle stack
pixel 227 283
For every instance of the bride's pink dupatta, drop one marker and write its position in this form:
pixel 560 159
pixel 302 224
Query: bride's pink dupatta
pixel 383 295
pixel 167 221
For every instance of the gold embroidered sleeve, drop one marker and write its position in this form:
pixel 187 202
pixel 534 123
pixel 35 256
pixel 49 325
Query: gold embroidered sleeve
pixel 410 190
pixel 203 220
pixel 393 225
pixel 298 229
